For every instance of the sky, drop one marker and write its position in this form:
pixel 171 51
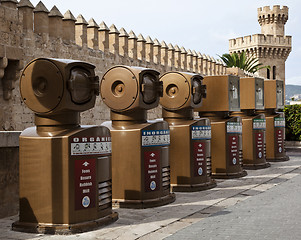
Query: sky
pixel 204 26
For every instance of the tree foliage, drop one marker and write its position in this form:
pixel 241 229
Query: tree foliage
pixel 293 122
pixel 250 64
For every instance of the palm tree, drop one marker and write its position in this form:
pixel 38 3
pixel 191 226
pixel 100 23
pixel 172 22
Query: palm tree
pixel 250 64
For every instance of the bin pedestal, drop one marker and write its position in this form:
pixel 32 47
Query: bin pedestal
pixel 190 155
pixel 65 180
pixel 140 164
pixel 226 147
pixel 253 140
pixel 275 136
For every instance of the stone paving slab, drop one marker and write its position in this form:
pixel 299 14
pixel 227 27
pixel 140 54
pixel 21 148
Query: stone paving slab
pixel 188 209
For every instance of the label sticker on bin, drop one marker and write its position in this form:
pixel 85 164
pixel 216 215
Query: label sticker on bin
pixel 152 170
pixel 259 144
pixel 259 124
pixel 85 183
pixel 234 127
pixel 233 149
pixel 279 140
pixel 279 122
pixel 200 132
pixel 91 145
pixel 155 138
pixel 199 155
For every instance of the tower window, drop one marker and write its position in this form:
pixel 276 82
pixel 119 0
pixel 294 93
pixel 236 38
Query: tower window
pixel 268 73
pixel 274 72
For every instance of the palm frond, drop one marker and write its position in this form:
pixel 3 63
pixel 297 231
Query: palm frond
pixel 250 64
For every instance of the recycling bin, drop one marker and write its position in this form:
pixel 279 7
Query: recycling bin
pixel 140 148
pixel 64 168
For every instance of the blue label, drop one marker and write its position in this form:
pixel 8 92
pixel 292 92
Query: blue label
pixel 200 132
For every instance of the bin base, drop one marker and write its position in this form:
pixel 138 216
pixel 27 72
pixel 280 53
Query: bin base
pixel 64 229
pixel 256 166
pixel 282 159
pixel 193 187
pixel 229 175
pixel 144 203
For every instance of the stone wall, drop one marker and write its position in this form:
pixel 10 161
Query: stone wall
pixel 28 32
pixel 9 173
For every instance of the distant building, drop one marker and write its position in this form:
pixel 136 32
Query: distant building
pixel 293 102
pixel 296 99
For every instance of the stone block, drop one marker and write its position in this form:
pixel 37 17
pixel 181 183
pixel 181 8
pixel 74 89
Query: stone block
pixel 1 11
pixel 9 178
pixel 4 25
pixel 9 138
pixel 14 53
pixel 11 15
pixel 2 51
pixel 15 40
pixel 4 38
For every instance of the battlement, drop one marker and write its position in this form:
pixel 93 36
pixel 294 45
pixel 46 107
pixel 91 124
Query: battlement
pixel 260 40
pixel 260 45
pixel 111 41
pixel 272 21
pixel 276 10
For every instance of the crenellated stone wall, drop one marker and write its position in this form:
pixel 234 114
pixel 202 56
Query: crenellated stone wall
pixel 272 21
pixel 28 32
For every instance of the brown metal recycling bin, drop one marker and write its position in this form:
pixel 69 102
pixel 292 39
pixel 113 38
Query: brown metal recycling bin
pixel 65 169
pixel 254 141
pixel 253 124
pixel 223 97
pixel 190 149
pixel 140 148
pixel 275 121
pixel 226 145
pixel 276 137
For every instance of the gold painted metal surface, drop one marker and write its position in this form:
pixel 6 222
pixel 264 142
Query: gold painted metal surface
pixel 251 93
pixel 190 156
pixel 254 140
pixel 47 181
pixel 182 90
pixel 126 88
pixel 222 94
pixel 185 173
pixel 223 97
pixel 270 137
pixel 273 94
pixel 128 166
pixel 274 99
pixel 57 194
pixel 62 90
pixel 273 137
pixel 222 161
pixel 140 168
pixel 253 129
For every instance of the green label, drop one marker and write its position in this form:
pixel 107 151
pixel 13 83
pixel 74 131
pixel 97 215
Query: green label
pixel 259 124
pixel 279 122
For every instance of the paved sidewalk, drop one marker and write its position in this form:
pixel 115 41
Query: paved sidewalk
pixel 252 207
pixel 274 214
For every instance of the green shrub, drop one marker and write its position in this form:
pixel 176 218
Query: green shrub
pixel 293 122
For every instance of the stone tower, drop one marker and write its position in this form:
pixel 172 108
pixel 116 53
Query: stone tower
pixel 272 46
